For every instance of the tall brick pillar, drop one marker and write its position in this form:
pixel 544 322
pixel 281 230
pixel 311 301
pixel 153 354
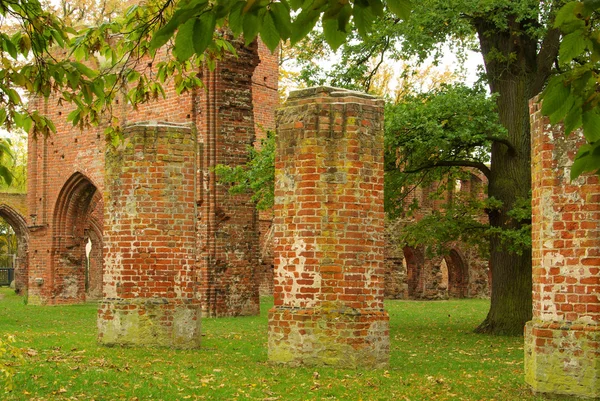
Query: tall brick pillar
pixel 562 342
pixel 329 237
pixel 149 239
pixel 228 240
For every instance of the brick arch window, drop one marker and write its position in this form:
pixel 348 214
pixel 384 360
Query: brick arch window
pixel 78 213
pixel 413 258
pixel 458 275
pixel 19 226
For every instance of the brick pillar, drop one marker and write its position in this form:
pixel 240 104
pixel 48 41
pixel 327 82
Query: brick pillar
pixel 227 225
pixel 328 251
pixel 562 342
pixel 149 239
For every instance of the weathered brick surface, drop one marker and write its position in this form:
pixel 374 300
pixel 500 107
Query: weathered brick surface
pixel 66 182
pixel 562 342
pixel 150 239
pixel 227 224
pixel 328 223
pixel 13 209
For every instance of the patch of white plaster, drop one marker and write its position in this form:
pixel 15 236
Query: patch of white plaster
pixel 553 259
pixel 288 276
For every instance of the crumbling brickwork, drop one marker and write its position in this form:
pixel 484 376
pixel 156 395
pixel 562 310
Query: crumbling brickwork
pixel 228 224
pixel 150 239
pixel 65 208
pixel 562 342
pixel 328 246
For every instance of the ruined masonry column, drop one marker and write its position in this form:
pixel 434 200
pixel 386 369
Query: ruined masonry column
pixel 562 342
pixel 149 239
pixel 328 239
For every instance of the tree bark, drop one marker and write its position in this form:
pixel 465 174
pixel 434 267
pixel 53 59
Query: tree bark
pixel 512 68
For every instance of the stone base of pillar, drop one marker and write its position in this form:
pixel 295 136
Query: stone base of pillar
pixel 563 358
pixel 329 336
pixel 152 322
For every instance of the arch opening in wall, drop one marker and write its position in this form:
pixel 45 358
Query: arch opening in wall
pixel 414 265
pixel 458 277
pixel 14 239
pixel 77 222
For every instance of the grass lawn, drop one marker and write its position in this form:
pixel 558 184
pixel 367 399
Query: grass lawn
pixel 434 356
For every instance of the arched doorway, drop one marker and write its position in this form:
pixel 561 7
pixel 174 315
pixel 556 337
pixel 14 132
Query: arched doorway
pixel 77 273
pixel 457 275
pixel 14 239
pixel 413 260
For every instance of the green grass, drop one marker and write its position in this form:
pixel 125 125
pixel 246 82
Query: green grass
pixel 434 356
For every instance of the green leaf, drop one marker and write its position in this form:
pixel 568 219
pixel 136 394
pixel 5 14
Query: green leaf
pixel 377 6
pixel 236 18
pixel 591 125
pixel 568 14
pixel 6 174
pixel 304 23
pixel 2 116
pixel 204 27
pixel 334 37
pixel 363 18
pixel 281 17
pixel 10 47
pixel 269 33
pixel 573 118
pixel 180 17
pixel 400 7
pixel 184 41
pixel 85 70
pixel 591 5
pixel 555 96
pixel 26 122
pixel 73 78
pixel 581 160
pixel 571 46
pixel 251 26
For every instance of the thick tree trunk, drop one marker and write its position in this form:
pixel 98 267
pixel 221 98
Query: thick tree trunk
pixel 512 67
pixel 510 179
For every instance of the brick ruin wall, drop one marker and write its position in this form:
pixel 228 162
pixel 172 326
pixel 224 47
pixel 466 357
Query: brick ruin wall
pixel 66 188
pixel 562 341
pixel 413 273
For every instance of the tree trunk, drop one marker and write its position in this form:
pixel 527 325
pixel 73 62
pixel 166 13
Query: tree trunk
pixel 511 64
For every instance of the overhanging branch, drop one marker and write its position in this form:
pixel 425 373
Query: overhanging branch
pixel 453 163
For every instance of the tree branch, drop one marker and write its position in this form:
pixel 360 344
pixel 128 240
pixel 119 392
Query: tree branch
pixel 453 163
pixel 545 59
pixel 503 141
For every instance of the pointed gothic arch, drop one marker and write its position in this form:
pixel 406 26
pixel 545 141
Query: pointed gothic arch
pixel 77 219
pixel 19 226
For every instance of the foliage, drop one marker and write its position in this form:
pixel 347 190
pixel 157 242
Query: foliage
pixel 434 355
pixel 8 244
pixel 436 139
pixel 572 96
pixel 14 161
pixel 8 355
pixel 256 177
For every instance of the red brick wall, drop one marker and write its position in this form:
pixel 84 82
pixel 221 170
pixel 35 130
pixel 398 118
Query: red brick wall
pixel 561 342
pixel 58 237
pixel 65 170
pixel 227 224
